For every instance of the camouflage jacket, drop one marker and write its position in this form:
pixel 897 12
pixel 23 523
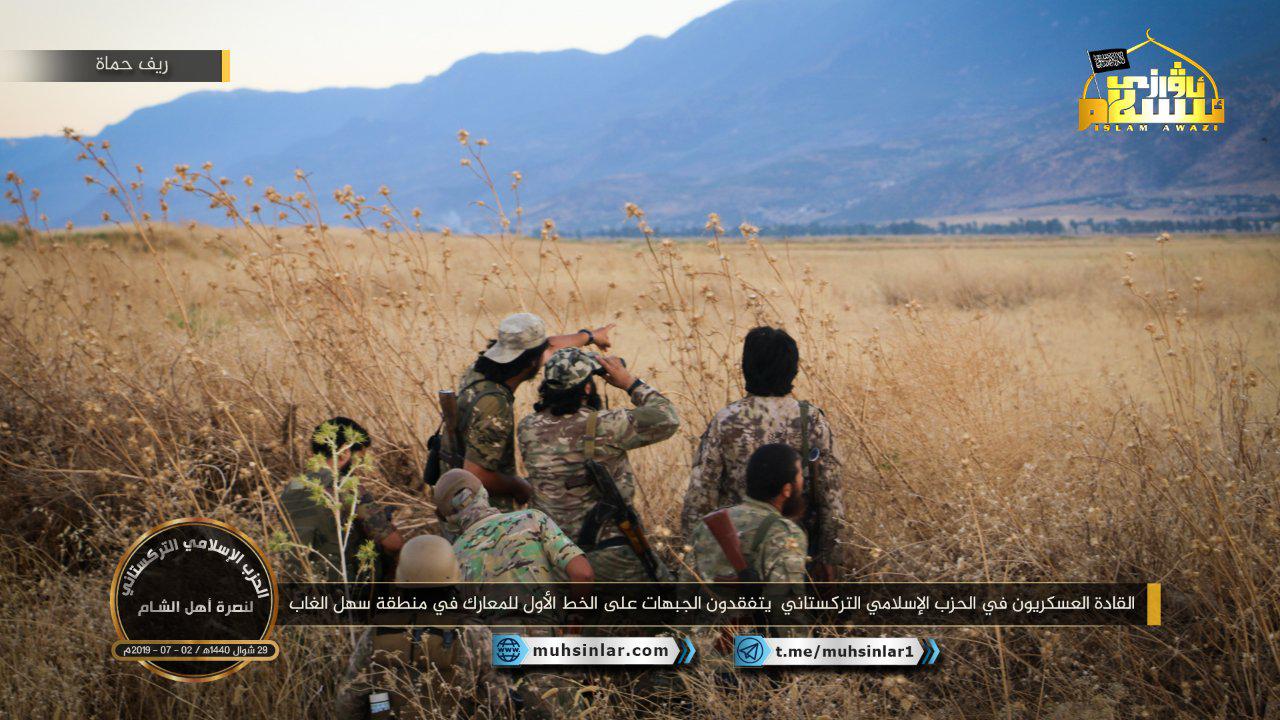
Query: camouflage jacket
pixel 317 528
pixel 554 459
pixel 777 555
pixel 720 464
pixel 486 427
pixel 522 546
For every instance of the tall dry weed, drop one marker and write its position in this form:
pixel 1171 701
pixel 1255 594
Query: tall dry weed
pixel 154 371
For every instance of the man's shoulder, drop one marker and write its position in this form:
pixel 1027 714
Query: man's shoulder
pixel 780 535
pixel 473 385
pixel 496 396
pixel 728 414
pixel 754 407
pixel 533 421
pixel 545 420
pixel 554 434
pixel 748 513
pixel 493 404
pixel 815 411
pixel 751 515
pixel 526 517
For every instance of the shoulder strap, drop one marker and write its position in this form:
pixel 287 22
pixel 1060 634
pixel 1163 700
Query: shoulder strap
pixel 804 431
pixel 757 540
pixel 465 419
pixel 589 441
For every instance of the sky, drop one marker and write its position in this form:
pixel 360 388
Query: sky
pixel 300 45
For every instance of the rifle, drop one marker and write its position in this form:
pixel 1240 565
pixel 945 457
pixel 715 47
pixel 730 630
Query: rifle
pixel 612 506
pixel 449 425
pixel 810 457
pixel 443 452
pixel 726 535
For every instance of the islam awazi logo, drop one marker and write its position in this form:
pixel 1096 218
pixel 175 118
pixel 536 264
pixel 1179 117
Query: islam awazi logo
pixel 1178 101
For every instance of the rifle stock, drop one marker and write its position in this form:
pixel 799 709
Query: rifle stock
pixel 448 425
pixel 726 535
pixel 443 452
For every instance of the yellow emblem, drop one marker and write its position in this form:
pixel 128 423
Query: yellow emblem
pixel 1176 99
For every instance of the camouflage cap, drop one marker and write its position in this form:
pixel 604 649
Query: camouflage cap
pixel 517 333
pixel 569 367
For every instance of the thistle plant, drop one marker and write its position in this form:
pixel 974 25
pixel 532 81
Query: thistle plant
pixel 337 489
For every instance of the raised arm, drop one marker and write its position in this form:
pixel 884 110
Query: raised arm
pixel 599 337
pixel 654 418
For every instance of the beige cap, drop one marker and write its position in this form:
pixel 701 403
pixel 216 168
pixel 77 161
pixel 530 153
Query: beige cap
pixel 428 559
pixel 517 333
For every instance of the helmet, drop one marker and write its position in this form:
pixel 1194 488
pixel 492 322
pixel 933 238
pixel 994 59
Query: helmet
pixel 428 559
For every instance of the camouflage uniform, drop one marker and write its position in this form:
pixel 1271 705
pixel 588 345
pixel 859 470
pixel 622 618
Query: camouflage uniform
pixel 720 464
pixel 486 425
pixel 316 528
pixel 524 546
pixel 772 545
pixel 552 447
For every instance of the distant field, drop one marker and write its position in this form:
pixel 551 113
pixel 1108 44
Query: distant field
pixel 1009 408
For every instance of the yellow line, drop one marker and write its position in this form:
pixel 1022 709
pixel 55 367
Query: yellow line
pixel 1153 603
pixel 226 66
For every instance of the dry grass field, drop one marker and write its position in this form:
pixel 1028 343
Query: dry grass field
pixel 1030 409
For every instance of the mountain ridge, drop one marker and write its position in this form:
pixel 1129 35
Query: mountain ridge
pixel 798 112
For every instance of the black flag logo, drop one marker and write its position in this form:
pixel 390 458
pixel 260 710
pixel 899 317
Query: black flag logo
pixel 1108 60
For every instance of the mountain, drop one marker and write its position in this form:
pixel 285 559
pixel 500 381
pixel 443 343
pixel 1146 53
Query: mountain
pixel 778 112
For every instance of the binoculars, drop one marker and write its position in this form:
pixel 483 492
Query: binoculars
pixel 600 370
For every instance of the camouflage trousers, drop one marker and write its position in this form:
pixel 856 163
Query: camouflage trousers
pixel 541 693
pixel 619 564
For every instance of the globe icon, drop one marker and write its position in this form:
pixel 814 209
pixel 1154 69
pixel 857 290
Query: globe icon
pixel 507 649
pixel 749 651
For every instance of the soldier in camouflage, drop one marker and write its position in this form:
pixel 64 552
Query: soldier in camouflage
pixel 523 546
pixel 486 401
pixel 420 671
pixel 567 426
pixel 772 544
pixel 768 414
pixel 341 442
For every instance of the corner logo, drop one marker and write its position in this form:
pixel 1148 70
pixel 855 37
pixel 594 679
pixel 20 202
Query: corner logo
pixel 1177 101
